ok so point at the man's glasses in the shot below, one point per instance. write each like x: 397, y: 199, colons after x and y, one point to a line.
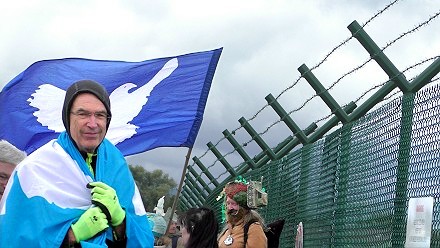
x: 82, y: 114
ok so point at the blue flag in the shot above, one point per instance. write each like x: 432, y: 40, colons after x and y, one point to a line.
x: 154, y: 103
x: 47, y: 193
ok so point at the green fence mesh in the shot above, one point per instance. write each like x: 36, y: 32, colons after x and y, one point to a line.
x: 351, y: 188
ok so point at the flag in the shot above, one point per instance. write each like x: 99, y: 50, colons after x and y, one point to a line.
x: 47, y: 193
x: 154, y: 103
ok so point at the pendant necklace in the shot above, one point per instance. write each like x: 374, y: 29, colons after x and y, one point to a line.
x: 229, y: 240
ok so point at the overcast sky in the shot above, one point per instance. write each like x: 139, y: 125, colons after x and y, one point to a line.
x: 264, y: 42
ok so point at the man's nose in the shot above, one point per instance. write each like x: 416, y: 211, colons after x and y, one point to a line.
x: 92, y: 121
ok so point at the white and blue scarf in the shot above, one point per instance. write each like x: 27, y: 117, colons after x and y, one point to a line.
x: 47, y: 193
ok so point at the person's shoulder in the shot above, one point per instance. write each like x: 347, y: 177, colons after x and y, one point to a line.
x: 256, y: 228
x: 50, y: 145
x: 110, y: 149
x: 255, y: 224
x: 50, y: 150
x: 256, y: 235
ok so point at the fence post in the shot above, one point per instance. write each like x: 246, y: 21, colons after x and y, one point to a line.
x: 199, y: 179
x: 247, y: 159
x: 377, y: 54
x: 204, y: 170
x: 342, y: 185
x: 400, y: 206
x: 255, y: 136
x: 222, y: 159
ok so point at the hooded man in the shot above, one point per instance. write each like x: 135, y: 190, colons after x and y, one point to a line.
x: 76, y: 190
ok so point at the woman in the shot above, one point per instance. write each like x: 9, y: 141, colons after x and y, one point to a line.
x: 199, y: 228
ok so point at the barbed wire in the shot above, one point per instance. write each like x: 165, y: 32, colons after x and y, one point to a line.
x: 333, y: 50
x: 371, y: 58
x: 382, y: 84
x: 279, y: 95
x: 331, y: 114
x: 359, y: 98
x: 416, y: 28
x: 353, y: 71
x: 344, y: 42
x: 390, y: 96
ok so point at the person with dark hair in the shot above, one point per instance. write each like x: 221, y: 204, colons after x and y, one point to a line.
x: 76, y: 190
x: 199, y: 228
x: 10, y: 156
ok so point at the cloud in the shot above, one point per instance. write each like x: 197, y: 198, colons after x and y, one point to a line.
x: 264, y: 44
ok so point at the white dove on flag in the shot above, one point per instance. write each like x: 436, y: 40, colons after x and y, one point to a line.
x: 125, y: 106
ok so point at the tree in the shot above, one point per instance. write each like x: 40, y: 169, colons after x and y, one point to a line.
x: 152, y: 186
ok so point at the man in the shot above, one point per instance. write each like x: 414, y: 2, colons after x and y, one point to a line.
x: 238, y: 215
x: 173, y: 232
x: 10, y: 156
x: 76, y: 190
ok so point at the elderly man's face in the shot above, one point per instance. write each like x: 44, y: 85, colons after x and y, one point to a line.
x: 231, y: 206
x: 234, y: 212
x: 173, y: 227
x: 5, y: 172
x: 88, y: 121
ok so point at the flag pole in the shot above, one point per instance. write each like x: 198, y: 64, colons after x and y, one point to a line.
x: 176, y: 198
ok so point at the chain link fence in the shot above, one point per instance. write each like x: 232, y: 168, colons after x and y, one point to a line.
x: 351, y: 188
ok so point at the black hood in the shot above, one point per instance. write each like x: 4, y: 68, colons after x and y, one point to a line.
x: 84, y: 86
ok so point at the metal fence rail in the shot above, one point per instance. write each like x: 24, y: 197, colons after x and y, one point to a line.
x: 350, y: 187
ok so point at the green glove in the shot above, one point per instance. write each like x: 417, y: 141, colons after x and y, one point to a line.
x: 105, y: 197
x: 89, y: 224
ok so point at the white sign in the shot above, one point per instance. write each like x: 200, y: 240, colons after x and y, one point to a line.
x: 418, y: 225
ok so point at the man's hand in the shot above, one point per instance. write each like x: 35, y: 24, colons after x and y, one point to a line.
x: 89, y: 224
x: 105, y: 197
